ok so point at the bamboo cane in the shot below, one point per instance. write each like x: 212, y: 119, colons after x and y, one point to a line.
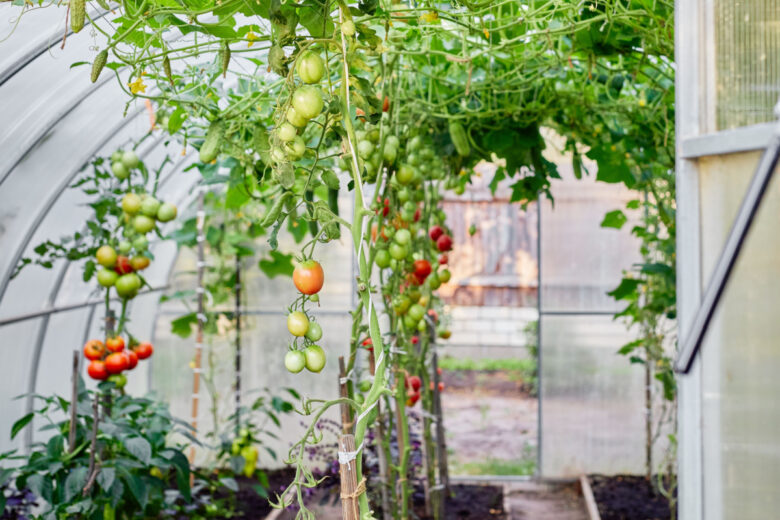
x: 350, y: 488
x: 200, y: 224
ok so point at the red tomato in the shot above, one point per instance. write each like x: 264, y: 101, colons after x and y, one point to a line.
x: 308, y: 277
x: 115, y: 344
x: 414, y: 382
x: 123, y: 265
x: 132, y: 359
x: 368, y: 344
x: 443, y: 260
x: 441, y: 386
x: 444, y: 243
x: 386, y: 104
x: 94, y: 349
x: 412, y: 398
x: 144, y: 350
x: 422, y: 268
x: 415, y: 340
x: 97, y: 370
x: 116, y: 362
x: 439, y: 370
x: 435, y: 233
x: 417, y: 215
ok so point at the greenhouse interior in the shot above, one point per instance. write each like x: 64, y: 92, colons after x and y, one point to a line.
x: 389, y: 260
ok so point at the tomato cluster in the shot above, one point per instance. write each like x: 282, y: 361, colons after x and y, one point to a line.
x: 124, y: 258
x: 308, y: 278
x: 108, y: 360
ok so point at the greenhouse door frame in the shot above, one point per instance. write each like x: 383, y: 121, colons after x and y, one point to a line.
x: 697, y: 139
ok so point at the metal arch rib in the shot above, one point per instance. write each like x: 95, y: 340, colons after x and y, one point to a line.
x: 39, y: 49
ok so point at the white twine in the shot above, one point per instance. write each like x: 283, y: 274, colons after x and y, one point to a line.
x: 201, y: 316
x: 428, y: 415
x: 396, y: 350
x: 366, y: 411
x: 195, y: 397
x: 346, y: 457
x: 196, y: 370
x: 200, y: 290
x: 201, y: 214
x: 343, y: 380
x: 201, y: 238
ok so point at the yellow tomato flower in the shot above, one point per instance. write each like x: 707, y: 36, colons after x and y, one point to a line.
x: 251, y: 38
x: 430, y: 17
x: 137, y: 85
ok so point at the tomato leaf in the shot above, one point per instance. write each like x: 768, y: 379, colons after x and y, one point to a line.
x: 182, y: 326
x: 24, y: 421
x: 278, y: 264
x: 614, y: 219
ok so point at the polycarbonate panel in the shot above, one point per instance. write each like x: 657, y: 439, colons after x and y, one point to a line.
x: 740, y: 358
x: 264, y: 343
x: 747, y: 43
x: 592, y: 399
x: 15, y: 341
x: 37, y: 30
x: 581, y: 261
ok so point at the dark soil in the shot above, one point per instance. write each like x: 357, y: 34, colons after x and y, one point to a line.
x: 467, y: 502
x: 249, y: 504
x: 625, y: 497
x: 486, y: 382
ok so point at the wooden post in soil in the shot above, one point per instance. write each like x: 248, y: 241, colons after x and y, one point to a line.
x: 74, y: 399
x: 237, y: 289
x: 350, y: 488
x: 426, y: 454
x: 201, y: 315
x: 441, y: 445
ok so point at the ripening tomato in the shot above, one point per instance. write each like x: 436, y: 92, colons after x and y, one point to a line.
x: 386, y: 104
x: 435, y: 232
x: 94, y: 349
x: 297, y: 323
x: 116, y: 362
x: 139, y: 263
x: 123, y: 265
x: 308, y: 277
x: 97, y: 370
x: 132, y: 359
x: 106, y: 256
x: 144, y: 350
x: 444, y: 243
x: 422, y: 268
x: 445, y: 334
x: 413, y: 397
x: 115, y: 344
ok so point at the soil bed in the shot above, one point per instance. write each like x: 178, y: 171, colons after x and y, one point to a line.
x: 249, y: 504
x: 467, y: 502
x: 626, y: 497
x: 486, y: 382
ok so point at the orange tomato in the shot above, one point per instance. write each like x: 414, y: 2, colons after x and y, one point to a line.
x: 308, y: 277
x: 94, y: 349
x: 115, y: 344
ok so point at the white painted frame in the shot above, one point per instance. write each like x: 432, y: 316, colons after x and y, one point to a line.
x: 695, y: 121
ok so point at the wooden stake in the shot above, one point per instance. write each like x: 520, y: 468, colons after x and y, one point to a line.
x: 74, y: 398
x: 350, y: 489
x: 200, y: 223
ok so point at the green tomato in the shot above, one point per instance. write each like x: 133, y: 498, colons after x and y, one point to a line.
x: 365, y: 386
x: 286, y: 132
x: 460, y: 189
x: 143, y: 224
x: 295, y: 119
x: 382, y: 258
x: 315, y: 358
x: 125, y: 247
x: 433, y: 281
x: 307, y: 101
x: 130, y: 160
x: 365, y: 149
x: 417, y: 312
x: 397, y: 251
x: 149, y: 207
x: 415, y: 143
x: 315, y: 331
x: 120, y: 380
x: 116, y: 156
x: 127, y: 285
x: 389, y: 154
x: 119, y: 170
x: 410, y: 322
x: 348, y: 28
x: 310, y: 67
x: 140, y: 244
x: 403, y: 195
x: 422, y: 326
x: 392, y: 141
x: 373, y: 135
x: 401, y: 304
x: 414, y: 293
x: 295, y: 148
x: 167, y: 212
x: 294, y: 361
x: 297, y: 323
x: 402, y: 236
x: 445, y: 275
x: 413, y: 159
x: 359, y: 399
x: 107, y: 277
x: 405, y: 174
x: 131, y: 203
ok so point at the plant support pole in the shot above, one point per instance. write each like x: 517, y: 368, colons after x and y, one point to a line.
x: 200, y: 224
x: 237, y: 288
